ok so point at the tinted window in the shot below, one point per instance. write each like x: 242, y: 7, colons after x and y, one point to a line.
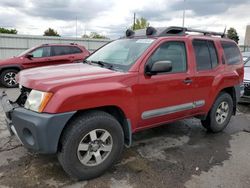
x: 231, y: 52
x: 205, y: 54
x: 61, y: 50
x: 202, y: 55
x: 75, y: 50
x: 213, y: 54
x: 174, y: 52
x: 41, y: 52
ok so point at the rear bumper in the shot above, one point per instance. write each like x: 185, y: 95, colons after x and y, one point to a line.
x: 39, y: 132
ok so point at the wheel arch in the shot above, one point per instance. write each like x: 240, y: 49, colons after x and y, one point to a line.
x: 116, y: 112
x: 17, y: 67
x: 232, y: 92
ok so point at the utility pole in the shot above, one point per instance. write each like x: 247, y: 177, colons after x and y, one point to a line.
x: 76, y: 27
x: 134, y: 22
x: 184, y: 12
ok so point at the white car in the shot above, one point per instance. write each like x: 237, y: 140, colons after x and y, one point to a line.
x: 246, y: 95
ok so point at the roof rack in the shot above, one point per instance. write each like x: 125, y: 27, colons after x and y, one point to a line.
x: 168, y: 31
x: 205, y: 32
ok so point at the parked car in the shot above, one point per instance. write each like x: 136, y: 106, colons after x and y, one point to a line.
x: 42, y: 55
x: 246, y: 57
x: 87, y: 112
x: 246, y: 95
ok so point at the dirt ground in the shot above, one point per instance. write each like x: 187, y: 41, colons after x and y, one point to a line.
x: 180, y: 154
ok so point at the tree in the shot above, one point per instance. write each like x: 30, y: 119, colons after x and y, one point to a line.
x: 85, y: 36
x: 232, y: 34
x: 95, y: 35
x: 140, y: 23
x: 51, y: 32
x: 8, y: 31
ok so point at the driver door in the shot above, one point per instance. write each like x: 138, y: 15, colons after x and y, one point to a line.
x: 166, y: 96
x: 40, y: 57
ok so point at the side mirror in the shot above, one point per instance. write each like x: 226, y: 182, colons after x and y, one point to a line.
x: 159, y: 67
x: 29, y: 56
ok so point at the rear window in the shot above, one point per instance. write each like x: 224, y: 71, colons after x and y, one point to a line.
x: 75, y: 50
x: 232, y: 53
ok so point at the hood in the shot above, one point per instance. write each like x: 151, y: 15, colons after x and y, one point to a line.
x: 246, y: 73
x: 53, y: 77
x: 12, y: 60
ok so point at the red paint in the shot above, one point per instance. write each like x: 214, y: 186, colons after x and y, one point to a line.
x: 83, y: 86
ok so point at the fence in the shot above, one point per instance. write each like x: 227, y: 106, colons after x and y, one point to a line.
x: 11, y: 45
x: 244, y: 48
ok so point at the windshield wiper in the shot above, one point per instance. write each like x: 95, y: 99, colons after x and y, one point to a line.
x: 103, y: 64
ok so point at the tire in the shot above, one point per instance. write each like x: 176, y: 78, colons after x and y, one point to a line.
x: 7, y: 78
x: 79, y: 131
x: 218, y: 117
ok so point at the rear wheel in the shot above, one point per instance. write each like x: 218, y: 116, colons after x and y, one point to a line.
x: 220, y: 114
x: 8, y: 78
x: 90, y: 145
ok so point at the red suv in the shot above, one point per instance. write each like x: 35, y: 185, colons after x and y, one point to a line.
x: 87, y: 112
x: 43, y: 55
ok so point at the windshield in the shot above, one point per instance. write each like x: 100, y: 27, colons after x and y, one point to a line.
x: 121, y: 54
x: 247, y: 63
x: 25, y: 52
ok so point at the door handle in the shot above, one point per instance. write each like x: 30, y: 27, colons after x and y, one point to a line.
x: 188, y: 81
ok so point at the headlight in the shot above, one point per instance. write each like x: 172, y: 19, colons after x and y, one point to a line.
x: 37, y: 100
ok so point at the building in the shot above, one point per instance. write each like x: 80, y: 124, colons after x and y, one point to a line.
x: 247, y: 36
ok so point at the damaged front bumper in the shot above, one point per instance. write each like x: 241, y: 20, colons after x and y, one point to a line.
x: 39, y: 132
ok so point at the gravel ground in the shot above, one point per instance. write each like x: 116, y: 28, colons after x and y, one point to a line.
x: 180, y: 154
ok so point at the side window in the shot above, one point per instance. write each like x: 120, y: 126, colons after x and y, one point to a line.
x: 205, y: 54
x: 41, y: 52
x: 213, y: 53
x: 61, y: 50
x: 75, y: 50
x: 174, y: 52
x: 232, y: 52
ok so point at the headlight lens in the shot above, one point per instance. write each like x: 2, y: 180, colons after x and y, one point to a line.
x: 37, y: 100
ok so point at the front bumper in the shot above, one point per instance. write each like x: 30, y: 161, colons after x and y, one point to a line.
x: 39, y: 132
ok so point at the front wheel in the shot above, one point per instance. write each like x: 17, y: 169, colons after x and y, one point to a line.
x: 90, y: 145
x: 8, y: 78
x: 220, y: 114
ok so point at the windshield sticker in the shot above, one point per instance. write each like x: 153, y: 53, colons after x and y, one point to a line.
x: 145, y: 41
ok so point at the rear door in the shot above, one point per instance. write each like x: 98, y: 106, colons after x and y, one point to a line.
x: 41, y: 57
x: 207, y: 68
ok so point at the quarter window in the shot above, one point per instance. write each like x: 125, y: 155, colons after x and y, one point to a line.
x: 174, y: 52
x: 231, y: 52
x: 205, y: 54
x: 75, y: 50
